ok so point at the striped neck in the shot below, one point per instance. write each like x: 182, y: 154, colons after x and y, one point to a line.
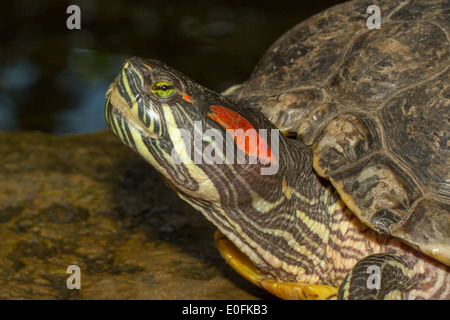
x: 281, y: 222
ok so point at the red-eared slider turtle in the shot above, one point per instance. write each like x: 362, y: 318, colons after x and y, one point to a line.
x: 374, y: 106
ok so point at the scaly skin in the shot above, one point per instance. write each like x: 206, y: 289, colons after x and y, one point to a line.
x: 291, y: 224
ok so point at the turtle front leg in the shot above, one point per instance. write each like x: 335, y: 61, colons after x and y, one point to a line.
x: 392, y: 276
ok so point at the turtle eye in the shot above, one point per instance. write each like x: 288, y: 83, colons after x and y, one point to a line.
x: 162, y: 89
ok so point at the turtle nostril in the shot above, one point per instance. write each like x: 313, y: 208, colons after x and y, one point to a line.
x: 126, y: 65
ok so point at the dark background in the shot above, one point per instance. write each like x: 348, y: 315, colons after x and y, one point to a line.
x: 54, y: 79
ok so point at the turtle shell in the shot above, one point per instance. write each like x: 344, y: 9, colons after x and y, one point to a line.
x: 374, y: 105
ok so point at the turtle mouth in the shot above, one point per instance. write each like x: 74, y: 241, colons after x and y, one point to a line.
x: 120, y: 116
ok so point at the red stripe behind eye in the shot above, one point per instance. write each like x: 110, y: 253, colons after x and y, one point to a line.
x: 231, y: 120
x: 187, y: 98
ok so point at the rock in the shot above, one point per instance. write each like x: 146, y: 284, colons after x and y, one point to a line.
x: 87, y: 200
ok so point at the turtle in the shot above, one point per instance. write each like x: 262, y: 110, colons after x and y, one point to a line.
x: 326, y: 173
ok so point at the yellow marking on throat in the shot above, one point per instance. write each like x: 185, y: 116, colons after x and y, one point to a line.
x: 206, y: 187
x: 287, y: 191
x: 261, y: 205
x: 177, y: 138
x: 135, y: 106
x: 119, y: 102
x: 116, y: 126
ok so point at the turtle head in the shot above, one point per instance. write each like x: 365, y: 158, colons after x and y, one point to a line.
x: 196, y: 138
x: 226, y: 160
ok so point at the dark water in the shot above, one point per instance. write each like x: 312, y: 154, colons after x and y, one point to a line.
x: 54, y: 79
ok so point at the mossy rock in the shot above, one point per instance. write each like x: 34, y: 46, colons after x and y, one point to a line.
x: 86, y: 200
